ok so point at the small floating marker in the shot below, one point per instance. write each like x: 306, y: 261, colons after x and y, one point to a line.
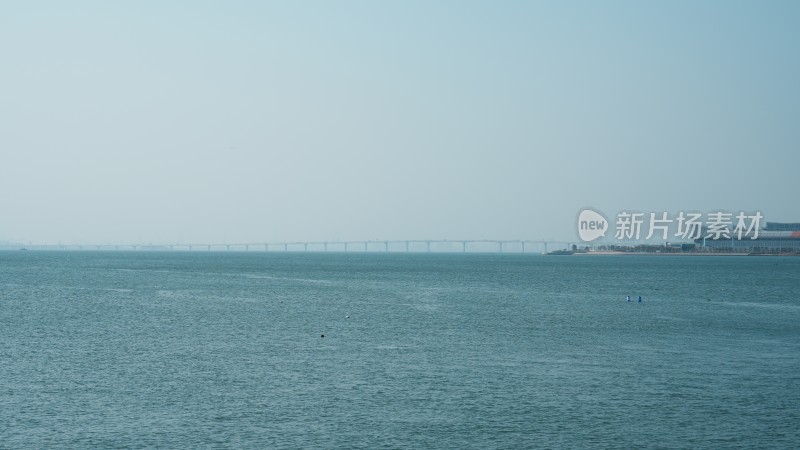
x: 640, y: 299
x: 322, y: 335
x: 629, y: 298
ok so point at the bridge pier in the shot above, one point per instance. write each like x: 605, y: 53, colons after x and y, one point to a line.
x: 521, y: 246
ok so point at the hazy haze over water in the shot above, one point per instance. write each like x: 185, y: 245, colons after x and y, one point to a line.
x: 253, y: 121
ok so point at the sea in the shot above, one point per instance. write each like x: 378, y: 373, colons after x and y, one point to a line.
x: 143, y: 349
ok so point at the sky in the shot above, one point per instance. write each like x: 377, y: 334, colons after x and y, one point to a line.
x: 253, y: 121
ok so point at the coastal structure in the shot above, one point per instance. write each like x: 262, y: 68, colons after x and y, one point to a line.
x: 775, y: 237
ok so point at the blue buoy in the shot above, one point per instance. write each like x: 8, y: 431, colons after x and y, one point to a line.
x: 640, y: 299
x: 629, y: 298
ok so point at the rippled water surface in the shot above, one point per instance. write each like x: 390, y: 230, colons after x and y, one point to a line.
x: 172, y: 349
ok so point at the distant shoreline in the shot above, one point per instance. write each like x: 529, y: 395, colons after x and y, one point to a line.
x: 684, y: 253
x: 416, y: 252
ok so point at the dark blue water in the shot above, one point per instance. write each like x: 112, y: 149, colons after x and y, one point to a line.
x: 137, y: 349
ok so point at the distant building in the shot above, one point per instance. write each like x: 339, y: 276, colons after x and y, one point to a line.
x: 775, y: 226
x: 773, y: 238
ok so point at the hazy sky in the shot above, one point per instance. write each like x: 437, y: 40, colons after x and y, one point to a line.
x: 168, y: 121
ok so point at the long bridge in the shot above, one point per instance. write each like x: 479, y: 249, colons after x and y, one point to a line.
x: 397, y: 246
